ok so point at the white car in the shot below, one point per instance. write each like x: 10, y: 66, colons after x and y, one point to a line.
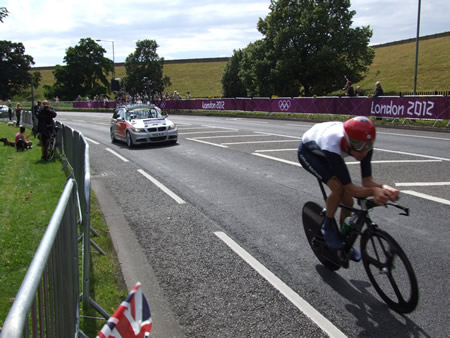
x: 4, y: 111
x: 139, y: 124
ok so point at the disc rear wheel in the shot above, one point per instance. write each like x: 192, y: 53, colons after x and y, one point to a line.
x: 312, y: 221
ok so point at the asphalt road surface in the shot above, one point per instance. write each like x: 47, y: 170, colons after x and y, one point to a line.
x: 218, y: 219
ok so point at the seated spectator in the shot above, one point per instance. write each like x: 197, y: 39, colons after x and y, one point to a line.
x: 21, y: 142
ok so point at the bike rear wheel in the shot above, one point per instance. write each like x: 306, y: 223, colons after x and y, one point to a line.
x: 389, y: 270
x: 51, y: 148
x: 312, y: 220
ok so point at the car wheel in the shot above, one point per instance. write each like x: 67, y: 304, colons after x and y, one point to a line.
x: 129, y: 140
x: 113, y: 137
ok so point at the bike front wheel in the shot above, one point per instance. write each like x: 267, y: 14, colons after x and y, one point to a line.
x: 389, y: 270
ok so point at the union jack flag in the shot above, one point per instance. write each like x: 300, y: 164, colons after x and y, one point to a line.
x: 131, y: 319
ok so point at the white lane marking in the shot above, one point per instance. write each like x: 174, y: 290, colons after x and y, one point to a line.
x: 260, y: 142
x: 274, y: 150
x: 229, y: 136
x: 91, y: 140
x: 209, y: 143
x: 425, y: 196
x: 412, y: 154
x: 281, y: 135
x: 285, y: 290
x: 299, y: 125
x: 215, y: 127
x: 116, y: 154
x: 278, y: 159
x: 417, y: 136
x: 208, y: 132
x: 162, y: 187
x: 397, y: 161
x: 421, y: 184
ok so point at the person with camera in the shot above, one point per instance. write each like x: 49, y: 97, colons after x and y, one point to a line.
x: 45, y: 126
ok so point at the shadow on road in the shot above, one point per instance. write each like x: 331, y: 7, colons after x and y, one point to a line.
x: 372, y: 315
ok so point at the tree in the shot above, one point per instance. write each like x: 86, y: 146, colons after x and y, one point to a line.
x: 3, y: 13
x: 144, y: 69
x: 232, y: 85
x: 14, y: 69
x: 84, y: 73
x: 308, y: 47
x: 257, y: 71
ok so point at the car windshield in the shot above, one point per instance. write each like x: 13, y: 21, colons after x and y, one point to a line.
x: 143, y: 113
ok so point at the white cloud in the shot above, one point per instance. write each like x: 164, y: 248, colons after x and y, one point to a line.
x: 185, y: 29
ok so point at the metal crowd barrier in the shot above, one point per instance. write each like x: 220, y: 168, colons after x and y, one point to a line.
x: 49, y: 297
x: 47, y: 303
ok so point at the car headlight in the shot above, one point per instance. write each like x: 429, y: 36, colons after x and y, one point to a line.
x: 172, y: 126
x: 138, y: 130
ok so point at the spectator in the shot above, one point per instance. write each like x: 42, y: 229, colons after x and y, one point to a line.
x: 348, y: 88
x: 18, y: 114
x: 378, y: 90
x: 79, y: 99
x: 350, y: 91
x: 22, y: 142
x: 35, y: 113
x: 10, y: 113
x: 188, y: 96
x: 45, y: 127
x: 358, y: 91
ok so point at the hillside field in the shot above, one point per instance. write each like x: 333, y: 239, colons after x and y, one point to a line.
x: 393, y: 66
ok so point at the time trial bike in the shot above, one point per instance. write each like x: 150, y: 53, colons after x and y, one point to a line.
x: 385, y: 262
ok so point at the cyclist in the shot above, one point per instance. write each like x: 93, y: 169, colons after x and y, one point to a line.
x: 322, y: 152
x: 45, y: 127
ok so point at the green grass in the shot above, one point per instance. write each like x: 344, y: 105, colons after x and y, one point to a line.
x: 31, y: 189
x: 392, y: 65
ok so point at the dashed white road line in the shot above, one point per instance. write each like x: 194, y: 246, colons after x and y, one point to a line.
x: 117, y: 155
x: 425, y: 196
x: 416, y: 136
x: 396, y: 161
x: 206, y: 132
x: 285, y: 290
x: 91, y: 140
x: 161, y: 186
x: 421, y: 184
x: 277, y: 159
x: 260, y: 142
x: 209, y: 143
x: 413, y: 154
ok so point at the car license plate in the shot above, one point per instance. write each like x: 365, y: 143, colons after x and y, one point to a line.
x: 158, y: 134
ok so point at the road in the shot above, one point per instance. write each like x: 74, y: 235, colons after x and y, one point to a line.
x: 218, y: 218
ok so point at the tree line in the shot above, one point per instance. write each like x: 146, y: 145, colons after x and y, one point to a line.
x: 308, y: 47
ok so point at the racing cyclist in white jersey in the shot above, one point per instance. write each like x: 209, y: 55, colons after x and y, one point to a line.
x: 322, y: 152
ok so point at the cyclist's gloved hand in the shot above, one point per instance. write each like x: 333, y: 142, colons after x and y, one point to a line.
x: 380, y: 196
x: 330, y: 235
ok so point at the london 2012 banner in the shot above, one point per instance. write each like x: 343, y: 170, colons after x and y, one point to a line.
x: 417, y: 107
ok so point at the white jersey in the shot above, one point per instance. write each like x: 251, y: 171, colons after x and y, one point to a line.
x: 328, y: 136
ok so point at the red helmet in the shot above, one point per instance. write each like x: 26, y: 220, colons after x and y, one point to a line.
x: 360, y: 133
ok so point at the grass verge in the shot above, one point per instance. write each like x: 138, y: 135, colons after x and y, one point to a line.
x: 31, y: 189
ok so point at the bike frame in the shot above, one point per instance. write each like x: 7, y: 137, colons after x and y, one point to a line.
x: 363, y: 215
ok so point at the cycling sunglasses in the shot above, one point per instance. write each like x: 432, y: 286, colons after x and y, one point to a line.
x: 361, y: 146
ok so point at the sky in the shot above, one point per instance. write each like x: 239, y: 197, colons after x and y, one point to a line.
x: 186, y: 29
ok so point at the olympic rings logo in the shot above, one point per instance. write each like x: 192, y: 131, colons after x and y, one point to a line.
x: 284, y: 105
